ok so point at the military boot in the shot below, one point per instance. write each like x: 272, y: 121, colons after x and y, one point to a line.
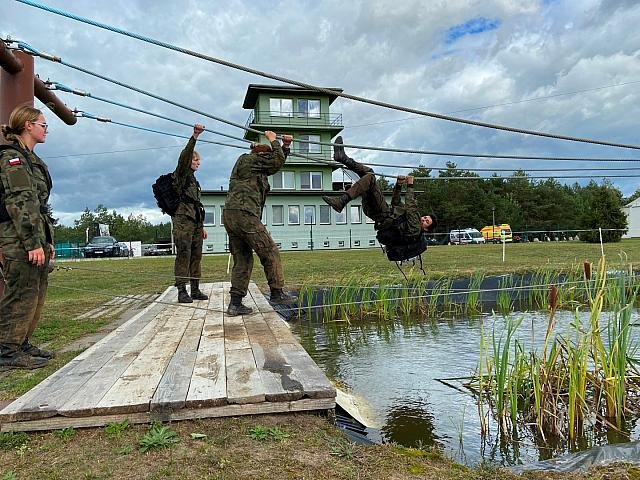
x: 337, y: 203
x: 236, y: 307
x: 183, y: 296
x: 340, y: 156
x: 196, y: 293
x: 278, y: 297
x: 30, y: 349
x: 21, y: 359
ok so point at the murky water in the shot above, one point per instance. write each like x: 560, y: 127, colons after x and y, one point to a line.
x: 393, y: 367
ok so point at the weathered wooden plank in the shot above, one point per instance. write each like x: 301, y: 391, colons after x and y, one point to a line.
x: 208, y: 385
x: 133, y: 391
x: 52, y: 393
x: 91, y: 393
x: 314, y: 382
x: 56, y: 423
x: 277, y: 324
x: 244, y: 384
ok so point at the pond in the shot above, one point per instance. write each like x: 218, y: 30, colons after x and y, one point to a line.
x: 394, y: 367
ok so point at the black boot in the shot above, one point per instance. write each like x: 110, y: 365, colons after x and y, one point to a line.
x: 278, y: 297
x: 337, y: 203
x: 34, y: 351
x: 21, y: 359
x: 196, y: 293
x: 183, y: 296
x: 237, y: 308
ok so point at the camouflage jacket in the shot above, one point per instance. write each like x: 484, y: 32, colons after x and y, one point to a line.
x: 404, y: 217
x: 186, y: 183
x: 248, y: 184
x: 25, y: 195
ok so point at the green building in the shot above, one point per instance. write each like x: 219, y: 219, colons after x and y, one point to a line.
x: 295, y: 214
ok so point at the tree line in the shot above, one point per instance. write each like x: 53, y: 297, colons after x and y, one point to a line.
x: 134, y: 227
x: 525, y: 204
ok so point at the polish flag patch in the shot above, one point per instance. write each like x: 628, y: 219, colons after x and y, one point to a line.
x: 14, y: 161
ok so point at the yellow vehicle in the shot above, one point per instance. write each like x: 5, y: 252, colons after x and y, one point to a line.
x: 496, y: 232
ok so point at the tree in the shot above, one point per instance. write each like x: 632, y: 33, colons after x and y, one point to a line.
x: 602, y: 209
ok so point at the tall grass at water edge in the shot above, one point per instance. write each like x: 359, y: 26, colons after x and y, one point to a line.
x: 582, y: 375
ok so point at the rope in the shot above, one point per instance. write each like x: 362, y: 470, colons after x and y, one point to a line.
x: 61, y: 87
x: 53, y: 58
x: 320, y: 89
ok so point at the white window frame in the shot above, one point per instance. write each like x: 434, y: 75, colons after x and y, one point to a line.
x: 311, y: 148
x: 355, y: 214
x: 308, y: 113
x: 286, y: 178
x: 273, y: 213
x: 312, y: 175
x: 209, y: 211
x: 278, y: 107
x: 326, y: 209
x: 312, y: 209
x: 293, y: 209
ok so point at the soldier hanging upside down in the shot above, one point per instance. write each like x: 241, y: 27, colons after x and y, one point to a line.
x: 397, y: 224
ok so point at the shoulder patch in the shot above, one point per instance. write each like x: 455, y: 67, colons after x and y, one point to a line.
x: 14, y: 161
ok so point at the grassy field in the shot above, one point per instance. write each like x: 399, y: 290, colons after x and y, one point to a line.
x: 309, y: 447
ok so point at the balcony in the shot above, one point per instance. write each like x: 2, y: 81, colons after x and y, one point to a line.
x: 296, y: 119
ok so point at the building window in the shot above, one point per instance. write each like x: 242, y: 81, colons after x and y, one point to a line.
x: 310, y: 214
x: 210, y: 216
x: 278, y: 214
x: 279, y: 245
x: 294, y: 215
x: 221, y: 216
x: 281, y: 107
x: 341, y: 218
x: 263, y: 217
x: 372, y: 243
x: 311, y: 180
x: 356, y: 216
x: 282, y: 180
x: 308, y: 108
x: 304, y: 147
x: 340, y: 243
x: 294, y: 244
x: 325, y: 215
x: 356, y: 243
x: 368, y: 220
x: 325, y: 243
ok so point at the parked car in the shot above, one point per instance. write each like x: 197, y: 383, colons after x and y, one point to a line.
x: 124, y: 250
x: 103, y: 246
x: 154, y: 250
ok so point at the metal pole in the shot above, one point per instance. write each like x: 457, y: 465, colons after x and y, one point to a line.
x: 15, y: 88
x: 493, y: 224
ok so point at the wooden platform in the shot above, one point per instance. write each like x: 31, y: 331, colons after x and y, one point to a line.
x: 177, y: 362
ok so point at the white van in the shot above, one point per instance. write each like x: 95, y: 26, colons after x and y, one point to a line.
x: 464, y: 236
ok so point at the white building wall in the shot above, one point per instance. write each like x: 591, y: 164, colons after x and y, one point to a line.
x: 632, y: 211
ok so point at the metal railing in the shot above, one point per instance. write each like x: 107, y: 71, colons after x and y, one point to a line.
x: 267, y: 117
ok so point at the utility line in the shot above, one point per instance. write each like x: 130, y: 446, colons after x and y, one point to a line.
x: 505, y: 104
x: 53, y: 58
x: 64, y: 88
x: 503, y: 169
x: 112, y: 151
x: 320, y: 89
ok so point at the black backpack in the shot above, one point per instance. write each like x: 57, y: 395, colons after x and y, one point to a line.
x: 400, y: 249
x: 167, y: 197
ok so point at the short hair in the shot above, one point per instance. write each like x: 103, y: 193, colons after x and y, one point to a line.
x: 260, y: 148
x: 434, y: 221
x: 197, y: 155
x: 19, y: 116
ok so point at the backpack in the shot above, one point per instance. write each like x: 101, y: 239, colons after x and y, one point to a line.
x: 167, y: 197
x: 401, y: 249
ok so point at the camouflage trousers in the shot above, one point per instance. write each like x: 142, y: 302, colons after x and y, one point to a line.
x: 22, y: 302
x: 246, y: 235
x: 187, y: 236
x: 374, y: 204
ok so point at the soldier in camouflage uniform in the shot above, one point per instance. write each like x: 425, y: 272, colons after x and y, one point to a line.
x: 188, y: 222
x: 402, y: 219
x: 26, y: 238
x: 248, y: 188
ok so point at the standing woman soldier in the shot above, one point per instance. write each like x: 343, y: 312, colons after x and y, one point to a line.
x: 188, y: 222
x: 26, y: 237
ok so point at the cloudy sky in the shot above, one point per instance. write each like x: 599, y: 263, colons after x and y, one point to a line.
x: 569, y: 67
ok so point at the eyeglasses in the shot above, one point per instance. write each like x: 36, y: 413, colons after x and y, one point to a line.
x: 43, y: 125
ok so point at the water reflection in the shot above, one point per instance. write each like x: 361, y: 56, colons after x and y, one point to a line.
x: 395, y: 364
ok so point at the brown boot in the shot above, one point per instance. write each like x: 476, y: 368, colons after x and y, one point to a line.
x: 278, y: 297
x: 340, y: 156
x: 30, y: 349
x: 337, y: 203
x: 20, y: 359
x: 196, y: 293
